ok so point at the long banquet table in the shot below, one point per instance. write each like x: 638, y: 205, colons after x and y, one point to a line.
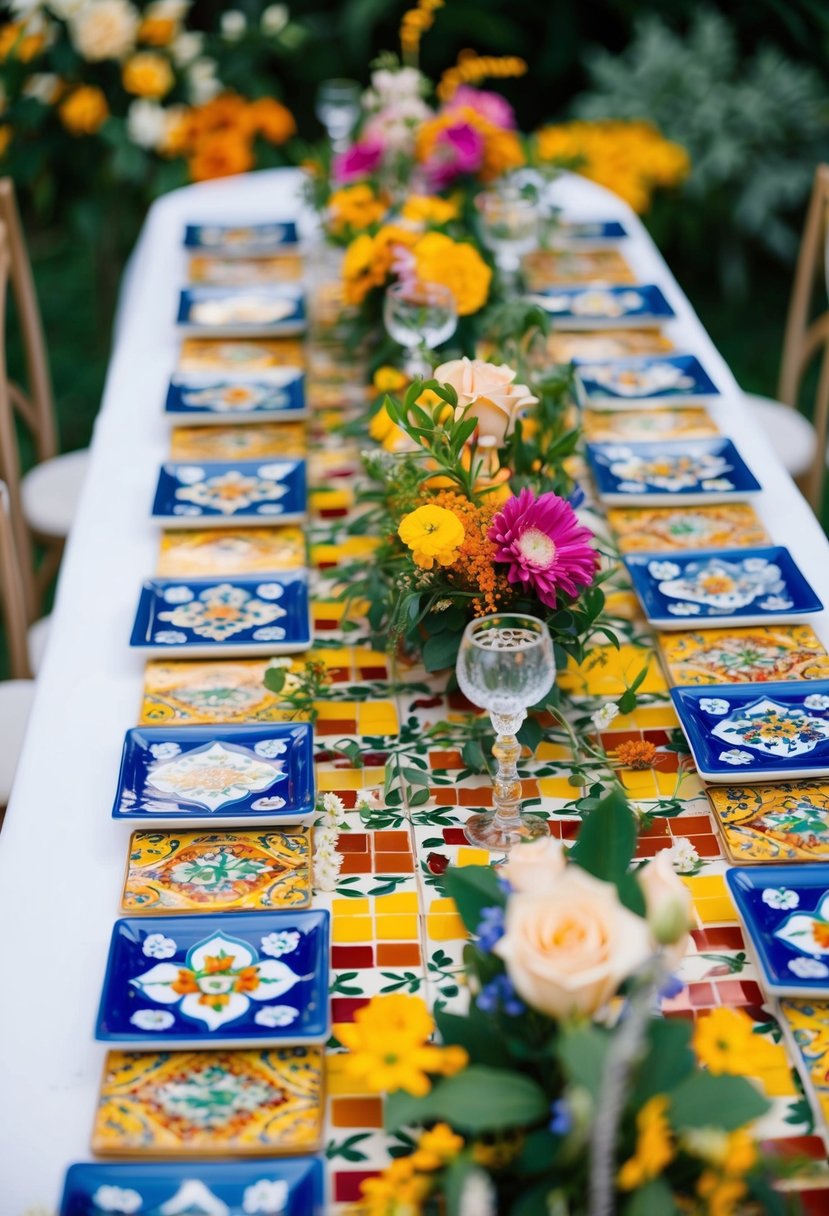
x: 61, y: 855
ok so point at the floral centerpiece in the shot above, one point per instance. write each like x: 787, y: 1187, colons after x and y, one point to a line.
x: 559, y: 1089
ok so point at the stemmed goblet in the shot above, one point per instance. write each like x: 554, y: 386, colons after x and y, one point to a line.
x: 505, y: 665
x: 338, y: 108
x: 509, y: 222
x: 419, y: 316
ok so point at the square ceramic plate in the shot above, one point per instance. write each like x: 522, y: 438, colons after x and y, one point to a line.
x: 733, y: 525
x: 592, y: 234
x: 597, y: 307
x: 692, y: 472
x: 224, y: 492
x: 204, y: 399
x: 646, y: 382
x: 757, y: 732
x: 244, y: 271
x: 247, y: 240
x: 241, y: 312
x: 647, y: 426
x: 208, y: 776
x: 216, y: 981
x: 292, y: 1186
x: 247, y: 870
x: 756, y: 655
x: 195, y: 1104
x: 203, y: 617
x: 785, y: 912
x: 785, y: 823
x: 724, y: 587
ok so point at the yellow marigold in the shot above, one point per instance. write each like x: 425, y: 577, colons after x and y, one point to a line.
x: 433, y: 534
x: 721, y: 1195
x: 156, y: 30
x: 430, y: 209
x: 270, y: 119
x: 355, y: 207
x: 5, y: 138
x: 389, y: 1049
x: 221, y: 156
x: 15, y: 41
x: 84, y: 111
x: 435, y: 1147
x: 456, y: 264
x: 148, y: 74
x: 383, y: 431
x: 389, y: 379
x: 654, y: 1145
x: 387, y: 241
x: 358, y: 269
x: 725, y: 1042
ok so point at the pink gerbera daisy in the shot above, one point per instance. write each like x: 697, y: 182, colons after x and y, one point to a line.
x: 544, y: 545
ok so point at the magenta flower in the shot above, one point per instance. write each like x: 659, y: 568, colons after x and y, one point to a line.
x: 491, y: 106
x: 360, y: 160
x: 544, y: 545
x: 459, y: 149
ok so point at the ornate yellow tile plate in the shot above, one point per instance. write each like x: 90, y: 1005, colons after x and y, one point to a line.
x: 241, y: 442
x: 244, y: 272
x: 231, y: 551
x: 239, y: 354
x: 785, y: 822
x: 544, y: 267
x: 660, y: 529
x: 220, y: 691
x: 562, y: 347
x: 744, y: 656
x: 806, y: 1026
x: 632, y: 426
x: 220, y: 871
x: 209, y: 1103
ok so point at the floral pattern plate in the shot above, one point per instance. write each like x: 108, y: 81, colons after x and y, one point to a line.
x: 744, y: 656
x: 693, y: 472
x: 240, y: 354
x: 291, y: 1186
x: 224, y: 551
x: 209, y: 399
x: 202, y: 617
x: 245, y: 269
x: 648, y: 381
x: 785, y: 912
x: 748, y: 733
x: 224, y: 492
x: 647, y: 426
x: 237, y: 312
x: 787, y: 822
x: 240, y: 871
x: 242, y: 239
x: 208, y: 776
x: 596, y: 307
x: 191, y: 693
x: 659, y: 529
x: 216, y: 981
x: 193, y: 1104
x: 743, y: 587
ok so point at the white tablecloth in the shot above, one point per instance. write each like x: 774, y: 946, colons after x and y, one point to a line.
x: 62, y: 857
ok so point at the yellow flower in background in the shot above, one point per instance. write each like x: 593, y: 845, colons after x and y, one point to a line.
x: 389, y: 379
x: 430, y: 209
x: 721, y: 1195
x: 355, y: 207
x: 472, y: 68
x: 383, y: 431
x: 436, y: 1147
x: 458, y: 266
x: 15, y: 41
x: 270, y: 119
x: 433, y: 534
x: 389, y: 1049
x: 157, y: 31
x: 148, y: 74
x: 654, y: 1145
x: 84, y: 111
x: 5, y: 138
x: 358, y: 269
x: 725, y: 1042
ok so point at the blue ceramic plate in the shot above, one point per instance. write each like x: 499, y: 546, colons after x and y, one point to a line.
x: 209, y: 617
x: 205, y: 398
x: 242, y: 312
x: 241, y: 239
x: 645, y: 381
x: 691, y: 472
x: 723, y: 587
x: 742, y: 733
x: 216, y: 980
x: 597, y: 307
x: 590, y: 235
x: 785, y: 912
x: 289, y: 1186
x: 213, y: 776
x: 222, y: 492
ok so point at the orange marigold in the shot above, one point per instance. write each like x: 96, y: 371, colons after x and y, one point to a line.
x: 220, y: 156
x: 637, y: 754
x: 474, y: 567
x: 272, y: 120
x: 157, y: 31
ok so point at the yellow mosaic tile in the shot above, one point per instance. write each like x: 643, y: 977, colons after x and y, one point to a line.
x: 445, y: 927
x: 397, y: 927
x: 712, y: 903
x: 323, y: 501
x: 349, y: 930
x: 338, y: 1082
x: 608, y: 672
x: 556, y: 787
x: 350, y: 907
x: 473, y: 857
x: 348, y: 550
x: 377, y: 718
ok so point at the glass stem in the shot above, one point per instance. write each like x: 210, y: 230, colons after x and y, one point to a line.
x: 507, y: 783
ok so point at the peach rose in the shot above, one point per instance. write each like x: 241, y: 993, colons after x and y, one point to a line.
x: 535, y: 865
x: 489, y: 391
x: 668, y: 902
x: 104, y: 29
x: 567, y: 950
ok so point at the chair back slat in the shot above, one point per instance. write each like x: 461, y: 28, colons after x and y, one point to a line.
x: 12, y: 593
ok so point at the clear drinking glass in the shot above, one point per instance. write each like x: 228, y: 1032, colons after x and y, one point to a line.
x: 338, y: 108
x: 419, y: 316
x: 509, y: 221
x: 505, y: 665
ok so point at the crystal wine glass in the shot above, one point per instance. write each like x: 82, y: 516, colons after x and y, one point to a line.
x: 420, y: 316
x: 338, y: 108
x: 509, y: 221
x: 505, y: 664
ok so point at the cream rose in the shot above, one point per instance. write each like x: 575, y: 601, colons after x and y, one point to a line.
x: 489, y: 391
x: 567, y: 950
x: 668, y: 902
x: 536, y: 865
x: 104, y: 29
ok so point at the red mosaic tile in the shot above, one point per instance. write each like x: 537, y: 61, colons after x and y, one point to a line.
x: 393, y: 863
x: 707, y: 846
x: 649, y: 848
x: 356, y: 863
x: 658, y: 829
x: 373, y: 673
x: 352, y: 842
x: 454, y: 836
x: 356, y: 957
x: 392, y: 841
x: 691, y: 825
x: 719, y: 937
x: 398, y: 954
x: 739, y: 992
x: 480, y: 796
x: 701, y: 996
x: 445, y: 760
x: 444, y: 796
x: 613, y: 738
x: 347, y: 1185
x: 797, y: 1146
x: 336, y: 726
x: 343, y: 1008
x: 657, y: 737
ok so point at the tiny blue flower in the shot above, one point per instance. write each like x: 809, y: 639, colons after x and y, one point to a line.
x: 499, y: 994
x: 505, y: 885
x: 490, y: 927
x: 671, y: 988
x: 561, y: 1121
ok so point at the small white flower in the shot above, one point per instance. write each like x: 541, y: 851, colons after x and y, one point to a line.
x: 43, y: 86
x: 234, y: 24
x: 367, y: 800
x: 735, y: 756
x: 717, y: 483
x: 663, y: 570
x: 274, y: 803
x: 277, y: 470
x: 683, y: 609
x: 170, y: 637
x: 164, y: 751
x: 274, y: 19
x: 189, y: 474
x: 333, y: 810
x: 146, y: 123
x: 808, y: 968
x: 281, y: 663
x: 186, y: 47
x: 477, y: 1196
x: 152, y: 1019
x: 156, y: 945
x: 117, y: 1199
x: 202, y: 81
x: 816, y: 700
x: 276, y: 1015
x: 268, y: 1197
x: 177, y: 595
x: 181, y: 508
x: 603, y: 716
x: 629, y: 487
x: 270, y: 748
x: 270, y: 591
x: 684, y: 857
x: 780, y: 897
x: 270, y: 633
x: 277, y: 944
x: 714, y: 705
x: 327, y: 871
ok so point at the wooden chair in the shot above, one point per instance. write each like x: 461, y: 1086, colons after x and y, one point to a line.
x: 800, y: 444
x: 49, y: 492
x: 17, y: 693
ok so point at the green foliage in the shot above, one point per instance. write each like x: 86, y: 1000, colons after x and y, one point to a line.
x: 466, y: 1101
